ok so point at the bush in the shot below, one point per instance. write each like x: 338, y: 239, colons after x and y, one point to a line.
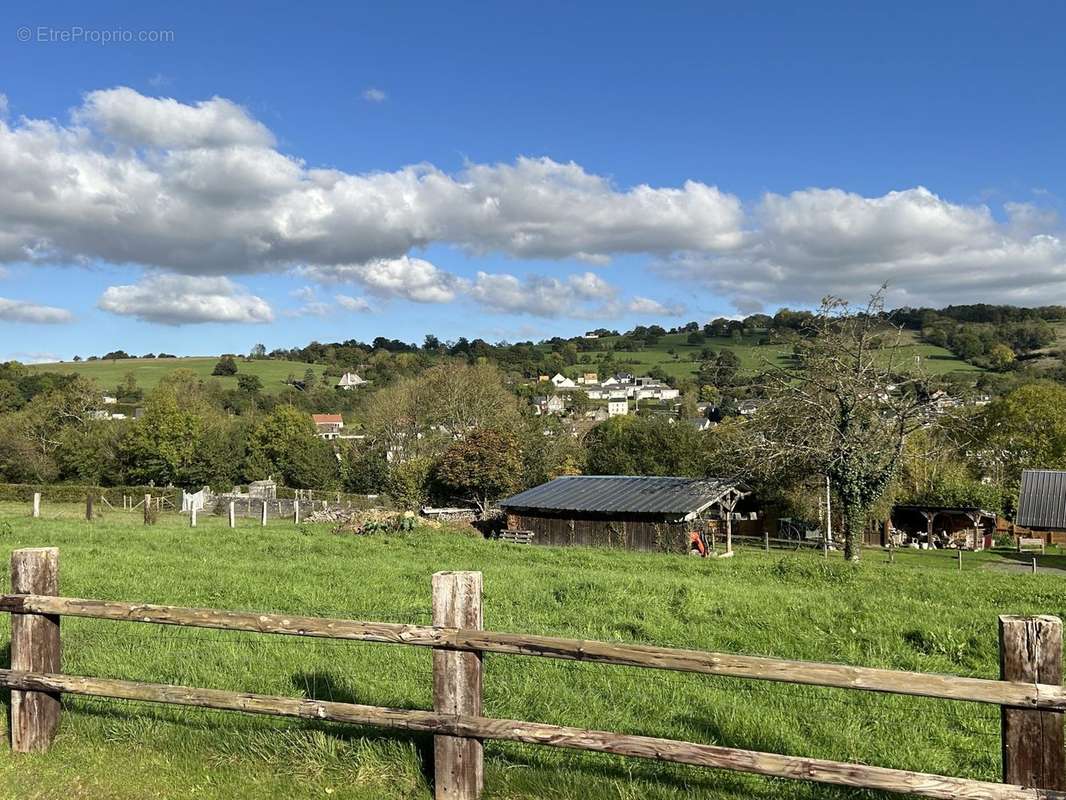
x: 225, y: 366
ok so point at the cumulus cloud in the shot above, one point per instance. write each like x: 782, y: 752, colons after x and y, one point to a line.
x: 581, y: 296
x: 928, y: 250
x: 3, y: 104
x: 129, y: 117
x: 646, y: 305
x: 200, y: 188
x: 356, y: 304
x: 373, y: 95
x: 184, y: 300
x: 407, y: 278
x: 21, y: 311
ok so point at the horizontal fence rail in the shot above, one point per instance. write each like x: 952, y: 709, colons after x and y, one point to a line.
x: 811, y: 673
x: 649, y: 747
x: 1030, y: 691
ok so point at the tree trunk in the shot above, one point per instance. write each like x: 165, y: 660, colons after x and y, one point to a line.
x: 854, y: 519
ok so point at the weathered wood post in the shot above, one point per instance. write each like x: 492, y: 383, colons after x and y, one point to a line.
x: 766, y: 540
x: 192, y: 516
x: 1034, y: 565
x: 36, y: 505
x: 89, y: 507
x: 960, y: 559
x: 263, y: 514
x: 35, y: 647
x: 729, y: 533
x: 1030, y: 650
x: 232, y: 514
x: 296, y: 511
x: 148, y: 509
x: 457, y: 761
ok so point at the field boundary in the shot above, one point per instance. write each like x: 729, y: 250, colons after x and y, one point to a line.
x: 1030, y: 690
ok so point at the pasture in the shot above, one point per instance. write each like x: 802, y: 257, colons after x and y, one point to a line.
x: 755, y: 356
x: 149, y: 371
x: 918, y: 613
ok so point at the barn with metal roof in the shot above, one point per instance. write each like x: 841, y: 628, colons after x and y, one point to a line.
x: 1042, y: 503
x: 635, y: 512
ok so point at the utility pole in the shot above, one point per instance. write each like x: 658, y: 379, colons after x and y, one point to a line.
x: 828, y: 514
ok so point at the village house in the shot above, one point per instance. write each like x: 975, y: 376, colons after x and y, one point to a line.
x: 328, y: 426
x: 548, y: 404
x: 349, y: 381
x: 617, y: 405
x: 560, y: 381
x: 588, y: 378
x: 747, y: 408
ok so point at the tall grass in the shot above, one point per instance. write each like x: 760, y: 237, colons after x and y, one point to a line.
x: 914, y: 614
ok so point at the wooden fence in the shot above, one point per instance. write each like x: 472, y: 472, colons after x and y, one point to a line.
x: 1029, y: 692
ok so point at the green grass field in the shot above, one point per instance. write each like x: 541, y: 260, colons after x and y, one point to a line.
x: 149, y: 371
x: 755, y: 357
x: 918, y: 613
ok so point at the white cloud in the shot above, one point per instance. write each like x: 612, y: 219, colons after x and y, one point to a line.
x: 357, y: 304
x: 645, y: 305
x: 3, y: 104
x: 128, y: 116
x: 21, y: 311
x: 372, y: 95
x: 407, y: 278
x: 184, y: 299
x: 579, y: 296
x: 34, y: 357
x: 929, y: 251
x: 201, y: 189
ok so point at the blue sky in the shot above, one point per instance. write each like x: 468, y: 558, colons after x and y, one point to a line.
x: 581, y: 165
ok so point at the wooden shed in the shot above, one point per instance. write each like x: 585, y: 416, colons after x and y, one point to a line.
x: 1042, y: 505
x: 637, y: 513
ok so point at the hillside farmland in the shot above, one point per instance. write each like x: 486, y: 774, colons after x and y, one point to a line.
x: 149, y: 371
x: 683, y: 363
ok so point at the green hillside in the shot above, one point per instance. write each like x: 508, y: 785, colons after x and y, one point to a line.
x: 149, y: 371
x: 683, y: 361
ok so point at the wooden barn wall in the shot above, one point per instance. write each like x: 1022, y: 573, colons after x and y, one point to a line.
x: 630, y: 534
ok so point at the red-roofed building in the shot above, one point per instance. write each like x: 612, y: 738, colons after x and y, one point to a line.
x: 329, y: 425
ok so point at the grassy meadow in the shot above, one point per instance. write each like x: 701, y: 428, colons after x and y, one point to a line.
x: 149, y: 371
x: 919, y: 613
x: 754, y: 356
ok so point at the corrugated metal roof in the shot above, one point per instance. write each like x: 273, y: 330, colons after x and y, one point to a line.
x: 622, y: 494
x: 1042, y: 499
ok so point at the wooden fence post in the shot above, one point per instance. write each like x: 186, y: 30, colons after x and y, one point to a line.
x: 1030, y: 651
x: 35, y: 647
x: 766, y: 540
x: 296, y: 511
x: 192, y: 516
x: 457, y: 761
x: 232, y: 515
x: 89, y: 507
x: 263, y: 514
x: 148, y: 509
x: 36, y: 505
